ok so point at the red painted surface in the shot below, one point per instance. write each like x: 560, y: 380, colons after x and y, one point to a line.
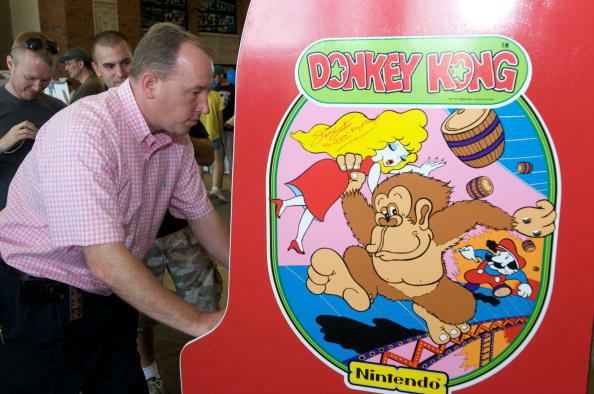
x: 254, y: 350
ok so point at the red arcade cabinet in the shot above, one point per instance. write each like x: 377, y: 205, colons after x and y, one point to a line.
x: 406, y: 192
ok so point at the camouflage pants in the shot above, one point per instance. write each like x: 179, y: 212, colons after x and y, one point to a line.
x: 194, y: 274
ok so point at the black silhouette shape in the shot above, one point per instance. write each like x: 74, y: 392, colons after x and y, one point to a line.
x: 352, y: 334
x: 485, y: 298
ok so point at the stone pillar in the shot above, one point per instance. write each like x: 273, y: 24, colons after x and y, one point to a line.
x: 6, y: 36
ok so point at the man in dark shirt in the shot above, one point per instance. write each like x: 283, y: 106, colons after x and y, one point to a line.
x: 23, y: 106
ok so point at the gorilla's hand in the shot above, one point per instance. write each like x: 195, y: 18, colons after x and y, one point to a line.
x: 536, y: 221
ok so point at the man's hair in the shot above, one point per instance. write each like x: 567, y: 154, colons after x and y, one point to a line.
x: 108, y: 38
x: 88, y: 65
x: 157, y: 50
x: 18, y: 48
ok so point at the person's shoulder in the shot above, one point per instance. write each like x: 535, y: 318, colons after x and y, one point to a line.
x: 92, y: 85
x: 96, y: 111
x: 52, y: 101
x: 6, y: 96
x: 214, y: 96
x: 97, y: 83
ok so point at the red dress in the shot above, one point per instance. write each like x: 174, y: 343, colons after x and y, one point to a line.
x: 323, y: 183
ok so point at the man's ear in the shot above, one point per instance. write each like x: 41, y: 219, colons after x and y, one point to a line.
x: 423, y: 209
x: 148, y: 84
x: 10, y: 63
x: 96, y: 68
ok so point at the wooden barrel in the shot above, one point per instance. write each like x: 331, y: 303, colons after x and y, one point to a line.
x: 479, y: 187
x: 528, y: 246
x: 475, y: 135
x: 525, y: 167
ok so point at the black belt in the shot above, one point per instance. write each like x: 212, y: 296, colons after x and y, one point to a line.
x: 35, y: 290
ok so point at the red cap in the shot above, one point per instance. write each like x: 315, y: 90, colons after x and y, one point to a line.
x: 507, y: 245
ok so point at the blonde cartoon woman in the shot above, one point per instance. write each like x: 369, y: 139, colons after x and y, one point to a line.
x: 387, y: 144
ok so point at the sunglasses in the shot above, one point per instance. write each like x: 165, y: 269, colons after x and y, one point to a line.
x: 36, y: 44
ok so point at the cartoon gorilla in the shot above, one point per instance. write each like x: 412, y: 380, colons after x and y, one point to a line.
x: 404, y: 233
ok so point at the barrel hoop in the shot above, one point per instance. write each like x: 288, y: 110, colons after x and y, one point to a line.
x: 488, y: 130
x: 484, y: 152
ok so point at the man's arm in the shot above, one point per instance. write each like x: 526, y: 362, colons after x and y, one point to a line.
x: 230, y: 123
x: 130, y: 280
x: 213, y: 233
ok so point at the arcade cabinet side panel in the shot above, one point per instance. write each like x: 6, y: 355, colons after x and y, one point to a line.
x: 306, y: 75
x: 254, y: 350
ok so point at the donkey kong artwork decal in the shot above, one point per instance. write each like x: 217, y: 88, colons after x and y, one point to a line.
x: 421, y: 256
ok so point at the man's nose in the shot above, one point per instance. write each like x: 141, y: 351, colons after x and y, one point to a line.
x: 37, y: 87
x: 202, y: 105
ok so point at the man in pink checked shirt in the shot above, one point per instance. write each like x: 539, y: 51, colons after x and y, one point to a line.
x: 83, y: 209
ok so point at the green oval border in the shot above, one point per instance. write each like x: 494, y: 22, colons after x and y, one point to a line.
x: 548, y: 246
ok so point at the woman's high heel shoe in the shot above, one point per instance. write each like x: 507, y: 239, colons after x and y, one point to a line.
x: 278, y: 205
x: 295, y: 246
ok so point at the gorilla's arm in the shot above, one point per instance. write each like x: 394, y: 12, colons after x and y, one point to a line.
x: 451, y: 223
x: 359, y: 215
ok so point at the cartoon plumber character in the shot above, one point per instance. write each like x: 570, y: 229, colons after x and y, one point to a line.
x: 496, y: 266
x: 387, y: 144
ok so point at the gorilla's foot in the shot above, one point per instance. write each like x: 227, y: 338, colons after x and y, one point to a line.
x: 439, y: 331
x: 329, y: 274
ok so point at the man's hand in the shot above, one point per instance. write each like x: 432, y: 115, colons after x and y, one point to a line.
x: 22, y: 131
x: 467, y: 252
x: 524, y: 290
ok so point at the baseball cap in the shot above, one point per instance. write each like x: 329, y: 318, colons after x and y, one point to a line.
x: 218, y: 69
x: 77, y: 54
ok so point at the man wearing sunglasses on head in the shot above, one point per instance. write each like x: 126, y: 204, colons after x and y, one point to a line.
x: 23, y: 106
